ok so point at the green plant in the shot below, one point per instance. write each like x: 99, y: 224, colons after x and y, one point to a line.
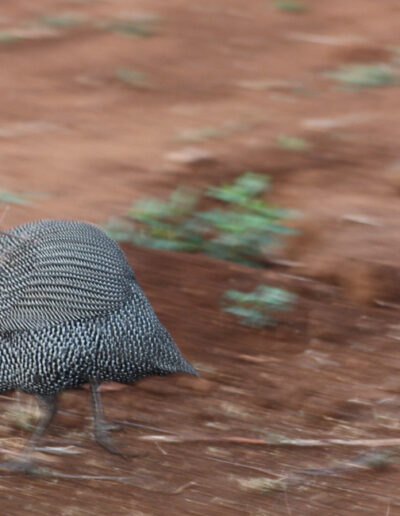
x: 133, y: 78
x: 140, y: 26
x: 243, y: 190
x: 240, y: 230
x: 120, y: 230
x: 13, y: 198
x: 8, y: 36
x: 292, y: 143
x: 290, y: 6
x: 365, y: 76
x: 62, y: 20
x: 254, y: 308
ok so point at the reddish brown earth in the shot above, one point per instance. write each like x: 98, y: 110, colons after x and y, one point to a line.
x: 89, y: 145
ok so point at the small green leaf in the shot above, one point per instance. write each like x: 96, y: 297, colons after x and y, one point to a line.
x: 365, y: 76
x: 62, y: 20
x: 8, y: 37
x: 292, y: 143
x: 290, y: 6
x: 244, y: 188
x: 13, y: 198
x: 133, y: 78
x: 248, y: 316
x: 142, y: 26
x: 119, y: 230
x: 255, y: 308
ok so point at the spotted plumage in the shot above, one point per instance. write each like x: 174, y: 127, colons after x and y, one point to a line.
x: 72, y: 312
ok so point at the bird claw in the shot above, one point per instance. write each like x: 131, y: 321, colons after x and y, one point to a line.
x: 103, y: 439
x: 101, y: 427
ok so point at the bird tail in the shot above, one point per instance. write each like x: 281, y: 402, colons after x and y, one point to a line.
x: 171, y: 359
x: 185, y: 367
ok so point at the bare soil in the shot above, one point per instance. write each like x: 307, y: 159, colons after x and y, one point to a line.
x: 227, y: 78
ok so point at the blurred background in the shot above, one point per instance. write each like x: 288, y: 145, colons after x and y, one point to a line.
x: 246, y: 155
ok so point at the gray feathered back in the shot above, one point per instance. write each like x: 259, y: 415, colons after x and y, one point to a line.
x: 59, y: 271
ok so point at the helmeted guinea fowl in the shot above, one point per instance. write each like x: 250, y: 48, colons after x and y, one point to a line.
x: 72, y: 312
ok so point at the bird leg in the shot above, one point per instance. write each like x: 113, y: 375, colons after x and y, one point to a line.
x: 24, y: 461
x: 101, y: 428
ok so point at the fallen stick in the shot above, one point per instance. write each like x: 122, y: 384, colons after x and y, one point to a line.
x: 370, y: 443
x: 46, y: 473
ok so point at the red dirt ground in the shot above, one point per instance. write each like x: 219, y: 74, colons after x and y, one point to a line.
x: 89, y: 145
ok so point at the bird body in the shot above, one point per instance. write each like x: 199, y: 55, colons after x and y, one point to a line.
x: 115, y: 346
x: 72, y: 312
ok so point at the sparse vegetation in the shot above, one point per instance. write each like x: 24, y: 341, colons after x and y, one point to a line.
x: 240, y: 230
x: 145, y: 25
x: 292, y: 143
x: 13, y: 198
x: 8, y: 37
x: 325, y: 379
x: 62, y: 20
x: 255, y: 308
x: 365, y: 76
x: 290, y: 6
x: 133, y: 78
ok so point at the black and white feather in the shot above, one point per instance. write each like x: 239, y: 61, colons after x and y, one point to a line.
x: 72, y: 311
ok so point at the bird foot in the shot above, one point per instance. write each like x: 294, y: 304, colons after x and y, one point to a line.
x: 103, y: 439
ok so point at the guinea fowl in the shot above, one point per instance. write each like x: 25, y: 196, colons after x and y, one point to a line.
x: 72, y: 312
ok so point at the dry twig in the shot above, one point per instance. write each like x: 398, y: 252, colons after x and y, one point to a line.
x: 304, y: 443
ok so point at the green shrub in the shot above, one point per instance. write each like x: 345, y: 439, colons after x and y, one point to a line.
x: 290, y: 6
x: 239, y: 230
x: 8, y: 37
x: 133, y: 78
x: 62, y: 20
x: 365, y: 76
x: 292, y: 143
x: 14, y: 198
x: 139, y: 26
x: 255, y: 308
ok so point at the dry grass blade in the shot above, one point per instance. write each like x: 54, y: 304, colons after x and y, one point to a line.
x: 60, y: 450
x: 110, y: 478
x: 370, y: 460
x: 372, y: 443
x: 141, y: 425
